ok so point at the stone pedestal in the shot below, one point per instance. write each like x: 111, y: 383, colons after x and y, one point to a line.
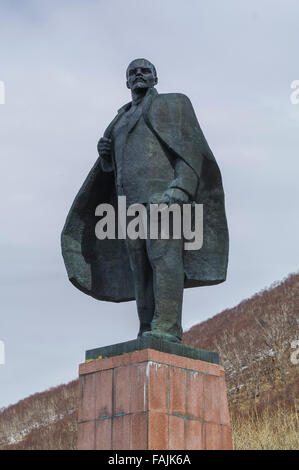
x: 149, y: 399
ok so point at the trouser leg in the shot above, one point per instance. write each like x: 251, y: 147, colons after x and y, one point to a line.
x: 143, y: 282
x: 166, y: 258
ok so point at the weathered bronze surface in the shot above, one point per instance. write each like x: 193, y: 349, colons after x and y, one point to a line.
x: 152, y: 152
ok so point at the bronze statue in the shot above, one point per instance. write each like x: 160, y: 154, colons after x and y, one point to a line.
x: 153, y: 152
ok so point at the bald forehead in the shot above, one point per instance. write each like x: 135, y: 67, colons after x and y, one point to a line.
x: 140, y: 63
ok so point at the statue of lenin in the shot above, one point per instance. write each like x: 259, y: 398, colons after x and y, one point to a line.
x: 153, y: 152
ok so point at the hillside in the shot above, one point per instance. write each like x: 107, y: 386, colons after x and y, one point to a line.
x: 46, y: 420
x: 254, y: 340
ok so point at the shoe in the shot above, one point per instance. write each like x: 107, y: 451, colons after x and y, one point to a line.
x: 162, y: 336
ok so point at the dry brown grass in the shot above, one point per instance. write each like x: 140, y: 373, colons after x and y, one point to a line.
x: 277, y: 430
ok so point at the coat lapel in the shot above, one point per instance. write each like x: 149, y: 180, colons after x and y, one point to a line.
x: 134, y: 119
x: 120, y: 112
x: 148, y: 102
x: 142, y: 109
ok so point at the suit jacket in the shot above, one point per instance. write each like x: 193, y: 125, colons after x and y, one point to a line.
x: 101, y: 268
x: 143, y: 166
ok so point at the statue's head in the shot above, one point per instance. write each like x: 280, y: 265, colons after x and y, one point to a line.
x: 141, y: 73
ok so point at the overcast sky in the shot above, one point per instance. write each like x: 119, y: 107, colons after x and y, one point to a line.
x: 63, y: 64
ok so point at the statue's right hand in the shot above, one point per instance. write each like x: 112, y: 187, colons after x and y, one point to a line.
x: 104, y: 148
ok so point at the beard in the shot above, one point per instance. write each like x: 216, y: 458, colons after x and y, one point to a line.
x: 140, y: 84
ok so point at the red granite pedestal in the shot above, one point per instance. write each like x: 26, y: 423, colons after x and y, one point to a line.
x: 152, y: 400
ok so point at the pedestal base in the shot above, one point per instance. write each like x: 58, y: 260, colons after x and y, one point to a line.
x: 149, y: 399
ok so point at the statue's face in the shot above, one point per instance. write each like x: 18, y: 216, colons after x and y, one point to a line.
x: 140, y: 74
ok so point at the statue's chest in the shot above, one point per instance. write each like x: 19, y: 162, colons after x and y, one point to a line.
x: 142, y: 149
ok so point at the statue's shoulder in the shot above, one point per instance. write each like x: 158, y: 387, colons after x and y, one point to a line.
x: 173, y: 103
x: 176, y: 98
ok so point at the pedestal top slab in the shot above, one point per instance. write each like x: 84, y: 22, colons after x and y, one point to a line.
x: 152, y: 343
x: 150, y: 355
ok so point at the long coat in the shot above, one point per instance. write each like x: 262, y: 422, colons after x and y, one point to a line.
x: 101, y: 268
